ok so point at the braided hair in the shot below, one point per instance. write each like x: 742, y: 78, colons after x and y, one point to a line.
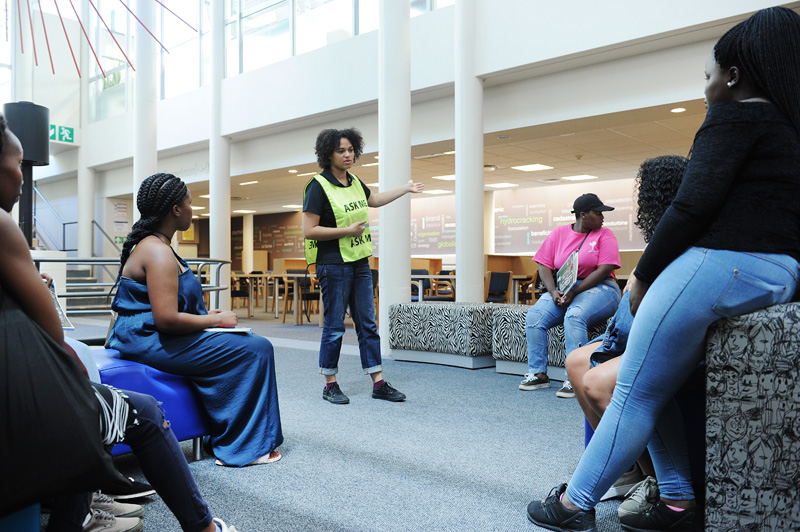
x: 328, y: 140
x: 656, y: 184
x: 766, y: 48
x: 157, y: 195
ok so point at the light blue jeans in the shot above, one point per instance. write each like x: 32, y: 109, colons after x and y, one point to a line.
x: 666, y: 343
x: 586, y: 309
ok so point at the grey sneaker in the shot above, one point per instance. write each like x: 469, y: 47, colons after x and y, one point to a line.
x: 532, y: 382
x: 658, y: 516
x: 630, y: 479
x: 334, y: 395
x: 101, y: 521
x: 640, y: 497
x: 566, y: 391
x: 117, y: 509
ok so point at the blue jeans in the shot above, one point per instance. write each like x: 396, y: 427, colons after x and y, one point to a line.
x: 163, y: 464
x: 586, y: 309
x: 666, y: 343
x: 343, y: 285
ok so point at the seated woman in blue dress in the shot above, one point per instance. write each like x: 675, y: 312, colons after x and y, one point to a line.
x: 162, y: 320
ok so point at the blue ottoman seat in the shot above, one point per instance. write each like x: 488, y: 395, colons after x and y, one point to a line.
x: 179, y: 400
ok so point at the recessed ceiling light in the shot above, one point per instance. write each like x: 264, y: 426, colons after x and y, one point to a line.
x: 249, y: 183
x: 445, y: 177
x: 292, y: 171
x: 195, y: 217
x: 437, y: 191
x: 582, y: 177
x: 292, y: 206
x: 205, y: 214
x: 532, y: 167
x: 371, y: 164
x: 204, y: 196
x: 677, y: 110
x: 373, y: 184
x: 244, y: 211
x: 197, y: 207
x: 449, y: 152
x: 503, y: 185
x: 489, y: 167
x: 377, y: 156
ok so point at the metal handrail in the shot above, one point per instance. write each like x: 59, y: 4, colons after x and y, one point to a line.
x: 97, y: 225
x: 214, y: 276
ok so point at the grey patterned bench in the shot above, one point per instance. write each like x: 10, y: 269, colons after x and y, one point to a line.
x: 510, y: 348
x: 753, y: 421
x: 452, y: 334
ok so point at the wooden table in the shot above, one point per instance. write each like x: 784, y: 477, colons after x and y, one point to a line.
x: 292, y: 278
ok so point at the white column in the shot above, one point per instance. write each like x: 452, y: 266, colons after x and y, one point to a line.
x: 219, y: 148
x: 247, y: 243
x: 86, y: 183
x: 394, y: 146
x: 145, y: 101
x: 488, y: 221
x: 22, y: 63
x: 469, y: 158
x: 21, y: 67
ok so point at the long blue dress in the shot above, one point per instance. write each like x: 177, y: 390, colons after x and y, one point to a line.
x: 234, y: 373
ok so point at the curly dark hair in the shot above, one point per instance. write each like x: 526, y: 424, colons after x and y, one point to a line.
x: 157, y: 195
x: 766, y: 50
x: 656, y: 185
x: 328, y: 140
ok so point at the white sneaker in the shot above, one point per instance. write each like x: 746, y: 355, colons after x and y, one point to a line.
x: 222, y: 527
x: 117, y: 509
x: 101, y: 521
x: 566, y: 391
x: 532, y: 382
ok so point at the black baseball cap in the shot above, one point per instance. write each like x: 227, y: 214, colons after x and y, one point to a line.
x: 589, y: 202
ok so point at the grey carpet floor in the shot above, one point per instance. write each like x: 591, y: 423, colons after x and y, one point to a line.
x: 466, y: 451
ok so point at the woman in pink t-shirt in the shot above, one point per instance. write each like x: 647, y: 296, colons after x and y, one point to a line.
x: 593, y: 298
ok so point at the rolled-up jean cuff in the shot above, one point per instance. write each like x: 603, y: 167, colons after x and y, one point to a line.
x: 328, y: 371
x: 373, y: 369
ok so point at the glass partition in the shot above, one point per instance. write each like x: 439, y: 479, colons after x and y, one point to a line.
x: 322, y: 22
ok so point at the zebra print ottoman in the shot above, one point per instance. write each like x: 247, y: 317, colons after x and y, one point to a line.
x: 453, y: 334
x: 753, y: 421
x: 510, y: 348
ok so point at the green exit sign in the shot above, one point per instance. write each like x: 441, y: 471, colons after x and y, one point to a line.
x: 62, y: 133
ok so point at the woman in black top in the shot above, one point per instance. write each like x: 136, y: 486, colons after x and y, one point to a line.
x: 728, y: 245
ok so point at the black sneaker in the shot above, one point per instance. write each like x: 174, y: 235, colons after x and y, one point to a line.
x: 131, y: 490
x: 387, y: 393
x: 552, y: 515
x: 334, y: 395
x: 657, y: 516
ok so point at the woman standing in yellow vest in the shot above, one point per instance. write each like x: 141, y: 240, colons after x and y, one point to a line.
x: 338, y: 240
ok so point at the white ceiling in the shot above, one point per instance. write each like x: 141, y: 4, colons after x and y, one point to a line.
x: 609, y: 147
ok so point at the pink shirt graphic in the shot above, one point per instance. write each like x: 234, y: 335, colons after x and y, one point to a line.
x: 600, y: 247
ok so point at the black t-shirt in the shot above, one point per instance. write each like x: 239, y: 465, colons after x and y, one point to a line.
x: 317, y: 202
x: 740, y: 192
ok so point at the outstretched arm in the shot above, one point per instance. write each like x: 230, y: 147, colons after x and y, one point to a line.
x: 382, y: 198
